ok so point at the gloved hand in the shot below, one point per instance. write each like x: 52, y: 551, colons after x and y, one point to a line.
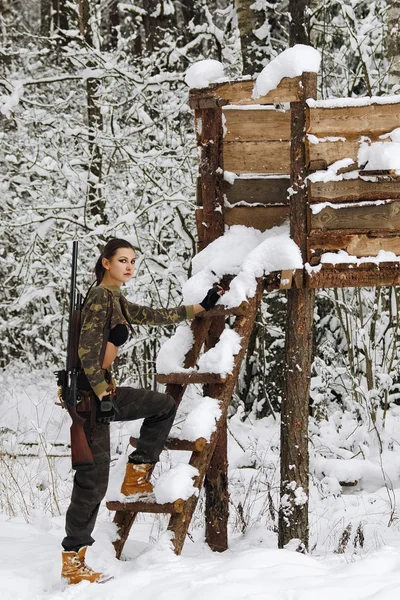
x: 213, y: 295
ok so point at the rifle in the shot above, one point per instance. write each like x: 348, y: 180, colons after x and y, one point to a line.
x: 82, y: 457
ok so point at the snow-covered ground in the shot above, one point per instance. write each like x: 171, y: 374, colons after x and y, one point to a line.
x: 355, y: 532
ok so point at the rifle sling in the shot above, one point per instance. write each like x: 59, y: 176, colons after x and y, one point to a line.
x: 107, y: 327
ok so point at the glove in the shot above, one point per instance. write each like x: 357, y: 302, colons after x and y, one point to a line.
x: 212, y: 296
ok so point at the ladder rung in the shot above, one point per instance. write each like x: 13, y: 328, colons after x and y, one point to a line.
x: 177, y: 444
x: 222, y: 311
x: 186, y: 378
x: 148, y: 505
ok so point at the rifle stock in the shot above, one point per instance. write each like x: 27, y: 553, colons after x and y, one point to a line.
x: 82, y: 457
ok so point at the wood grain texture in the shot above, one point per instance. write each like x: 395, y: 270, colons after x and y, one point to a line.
x: 326, y: 153
x: 370, y: 218
x: 359, y: 245
x: 256, y: 125
x: 260, y: 191
x: 259, y: 217
x: 353, y: 121
x: 240, y: 92
x: 352, y: 190
x: 256, y: 157
x: 294, y: 463
x: 177, y: 444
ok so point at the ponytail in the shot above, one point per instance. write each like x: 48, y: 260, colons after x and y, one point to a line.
x: 99, y: 270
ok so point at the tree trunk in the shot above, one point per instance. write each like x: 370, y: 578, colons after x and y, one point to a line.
x: 156, y: 22
x: 393, y: 42
x: 95, y: 203
x: 45, y: 17
x: 110, y: 25
x: 299, y: 30
x: 60, y: 15
x: 248, y: 21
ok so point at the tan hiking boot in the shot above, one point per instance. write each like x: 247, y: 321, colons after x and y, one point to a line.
x: 137, y: 479
x: 74, y: 569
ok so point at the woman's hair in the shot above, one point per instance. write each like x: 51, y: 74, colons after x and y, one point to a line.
x: 108, y: 252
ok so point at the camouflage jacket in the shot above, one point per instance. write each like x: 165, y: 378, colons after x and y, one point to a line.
x: 95, y: 329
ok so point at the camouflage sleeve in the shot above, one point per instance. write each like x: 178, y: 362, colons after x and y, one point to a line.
x: 94, y: 316
x: 143, y: 315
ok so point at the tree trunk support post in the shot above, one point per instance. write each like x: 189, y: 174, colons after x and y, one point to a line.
x: 209, y: 130
x: 293, y: 511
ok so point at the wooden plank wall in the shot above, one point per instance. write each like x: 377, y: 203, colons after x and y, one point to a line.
x: 363, y: 214
x: 348, y: 124
x: 256, y: 148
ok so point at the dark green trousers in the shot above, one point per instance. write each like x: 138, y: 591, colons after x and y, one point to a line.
x: 158, y: 411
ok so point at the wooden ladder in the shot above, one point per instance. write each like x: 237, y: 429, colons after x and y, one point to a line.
x: 206, y: 456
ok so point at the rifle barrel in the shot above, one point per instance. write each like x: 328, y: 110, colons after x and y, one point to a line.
x: 72, y: 294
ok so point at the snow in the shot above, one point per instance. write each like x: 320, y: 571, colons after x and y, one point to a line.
x: 342, y: 257
x: 253, y: 567
x: 201, y: 420
x: 176, y: 483
x: 379, y: 156
x: 316, y: 208
x: 230, y: 177
x: 8, y: 103
x: 204, y: 72
x: 331, y: 173
x: 349, y: 102
x: 292, y: 62
x: 313, y: 139
x: 220, y: 359
x: 172, y: 353
x: 246, y: 253
x: 283, y: 107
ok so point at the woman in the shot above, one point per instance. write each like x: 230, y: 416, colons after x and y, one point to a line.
x: 106, y: 319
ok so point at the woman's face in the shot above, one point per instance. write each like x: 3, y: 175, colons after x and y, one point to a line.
x: 119, y: 268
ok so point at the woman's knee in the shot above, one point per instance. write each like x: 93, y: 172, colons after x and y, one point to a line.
x: 170, y: 404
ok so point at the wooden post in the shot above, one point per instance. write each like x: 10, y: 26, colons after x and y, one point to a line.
x: 293, y: 512
x: 216, y: 480
x: 208, y: 123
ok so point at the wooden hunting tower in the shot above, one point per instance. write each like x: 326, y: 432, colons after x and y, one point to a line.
x: 272, y: 145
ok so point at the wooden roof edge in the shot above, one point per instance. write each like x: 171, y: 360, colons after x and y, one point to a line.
x: 216, y: 95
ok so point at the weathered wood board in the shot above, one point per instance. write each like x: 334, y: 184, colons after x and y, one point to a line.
x: 363, y: 218
x: 259, y: 217
x: 256, y: 125
x: 256, y: 157
x: 320, y: 156
x: 260, y: 191
x: 350, y: 190
x: 240, y: 92
x: 353, y: 121
x: 344, y: 275
x: 359, y: 245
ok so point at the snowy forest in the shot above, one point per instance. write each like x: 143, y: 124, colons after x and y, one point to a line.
x: 98, y: 141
